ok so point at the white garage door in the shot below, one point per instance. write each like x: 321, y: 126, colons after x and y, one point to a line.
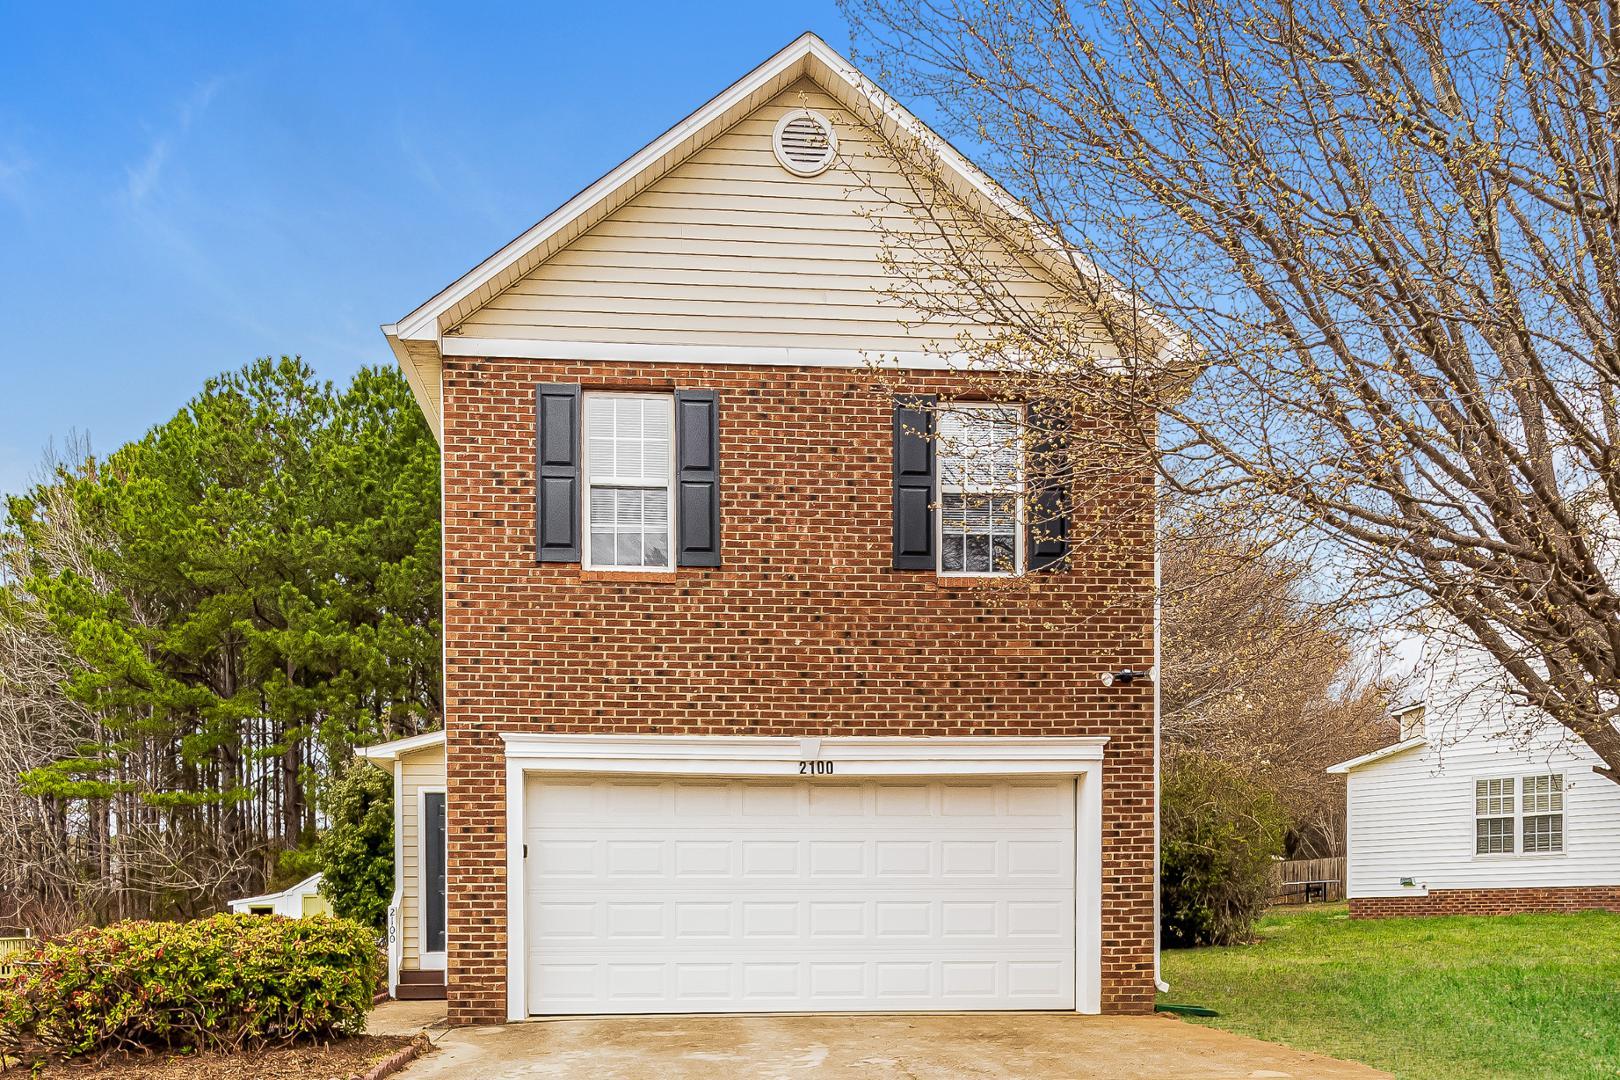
x: 649, y: 896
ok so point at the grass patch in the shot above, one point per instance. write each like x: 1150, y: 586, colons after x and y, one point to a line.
x: 1512, y: 996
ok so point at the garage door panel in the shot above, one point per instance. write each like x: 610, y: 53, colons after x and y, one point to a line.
x: 671, y: 896
x: 722, y: 918
x: 848, y: 983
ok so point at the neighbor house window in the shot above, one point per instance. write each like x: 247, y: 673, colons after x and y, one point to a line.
x: 628, y: 479
x: 1534, y: 812
x: 1493, y: 816
x: 1543, y: 808
x: 980, y: 490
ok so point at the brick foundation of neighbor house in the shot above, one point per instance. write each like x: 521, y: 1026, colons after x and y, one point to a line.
x: 1553, y: 901
x: 805, y: 629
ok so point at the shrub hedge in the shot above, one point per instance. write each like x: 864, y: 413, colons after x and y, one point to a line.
x: 1219, y: 831
x: 229, y: 982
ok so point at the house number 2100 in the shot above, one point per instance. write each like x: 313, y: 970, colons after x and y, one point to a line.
x: 815, y: 768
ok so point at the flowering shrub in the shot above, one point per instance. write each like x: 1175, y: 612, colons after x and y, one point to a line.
x: 223, y: 983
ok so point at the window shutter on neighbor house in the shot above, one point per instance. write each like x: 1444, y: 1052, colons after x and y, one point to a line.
x: 1048, y: 467
x: 697, y: 478
x: 914, y: 469
x: 556, y: 472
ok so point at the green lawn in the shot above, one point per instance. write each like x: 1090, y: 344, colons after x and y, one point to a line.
x: 1520, y: 996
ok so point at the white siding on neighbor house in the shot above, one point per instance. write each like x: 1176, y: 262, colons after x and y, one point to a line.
x: 731, y: 249
x: 1412, y: 815
x: 424, y: 769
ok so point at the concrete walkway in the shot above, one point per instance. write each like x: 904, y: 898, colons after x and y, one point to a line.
x: 1026, y: 1046
x: 406, y: 1018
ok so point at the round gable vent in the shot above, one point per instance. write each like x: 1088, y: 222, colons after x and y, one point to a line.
x: 805, y: 142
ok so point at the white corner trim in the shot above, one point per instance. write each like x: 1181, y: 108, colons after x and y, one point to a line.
x: 780, y: 756
x: 730, y: 355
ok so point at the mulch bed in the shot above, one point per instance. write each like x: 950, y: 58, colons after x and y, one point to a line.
x: 339, y: 1060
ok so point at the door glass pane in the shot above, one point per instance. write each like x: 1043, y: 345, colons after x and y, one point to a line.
x: 434, y: 871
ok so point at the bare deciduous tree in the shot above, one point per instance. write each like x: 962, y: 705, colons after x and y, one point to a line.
x: 1388, y: 229
x: 1257, y: 673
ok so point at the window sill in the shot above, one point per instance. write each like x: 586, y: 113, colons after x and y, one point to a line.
x: 972, y: 581
x: 634, y: 577
x: 1519, y: 856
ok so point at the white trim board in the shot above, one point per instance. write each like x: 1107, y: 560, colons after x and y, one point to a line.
x: 727, y: 355
x: 852, y: 756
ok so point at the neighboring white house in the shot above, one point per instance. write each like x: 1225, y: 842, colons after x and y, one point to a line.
x: 1482, y: 807
x: 295, y: 901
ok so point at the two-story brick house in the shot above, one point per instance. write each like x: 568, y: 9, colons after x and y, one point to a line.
x: 739, y: 714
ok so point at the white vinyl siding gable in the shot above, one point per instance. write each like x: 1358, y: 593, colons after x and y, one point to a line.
x: 731, y: 249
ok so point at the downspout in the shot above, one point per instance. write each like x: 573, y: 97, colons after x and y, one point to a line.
x: 444, y: 671
x: 1158, y: 678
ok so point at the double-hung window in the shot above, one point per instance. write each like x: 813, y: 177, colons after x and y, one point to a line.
x: 1493, y: 816
x: 1530, y: 808
x: 1542, y: 804
x: 628, y: 476
x: 980, y: 490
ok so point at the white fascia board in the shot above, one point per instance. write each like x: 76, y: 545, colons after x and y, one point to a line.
x: 309, y: 884
x: 389, y: 751
x: 413, y: 376
x: 1377, y: 755
x: 741, y: 355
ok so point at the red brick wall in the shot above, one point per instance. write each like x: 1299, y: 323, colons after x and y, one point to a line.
x: 1489, y: 902
x: 805, y: 629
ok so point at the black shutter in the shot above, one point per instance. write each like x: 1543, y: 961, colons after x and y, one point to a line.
x: 914, y: 482
x: 556, y: 472
x: 697, y: 478
x: 1048, y: 469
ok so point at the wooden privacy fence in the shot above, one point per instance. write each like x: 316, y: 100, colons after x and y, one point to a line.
x: 1306, y: 881
x: 11, y: 948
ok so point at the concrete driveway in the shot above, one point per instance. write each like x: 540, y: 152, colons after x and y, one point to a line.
x: 1059, y: 1046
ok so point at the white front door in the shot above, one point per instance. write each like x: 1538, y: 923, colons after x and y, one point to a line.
x: 728, y: 895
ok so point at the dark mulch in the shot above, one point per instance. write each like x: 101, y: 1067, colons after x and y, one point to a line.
x: 335, y: 1061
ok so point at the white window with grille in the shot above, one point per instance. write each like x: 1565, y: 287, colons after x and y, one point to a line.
x: 628, y: 475
x: 1519, y: 815
x: 1542, y: 804
x: 980, y: 491
x: 1493, y: 816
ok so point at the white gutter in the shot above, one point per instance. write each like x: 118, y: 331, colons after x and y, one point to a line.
x: 1158, y: 676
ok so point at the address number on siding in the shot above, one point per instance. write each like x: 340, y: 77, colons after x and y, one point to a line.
x: 815, y: 768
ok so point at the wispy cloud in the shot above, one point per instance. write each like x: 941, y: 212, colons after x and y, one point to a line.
x: 449, y: 174
x: 142, y: 178
x: 14, y: 168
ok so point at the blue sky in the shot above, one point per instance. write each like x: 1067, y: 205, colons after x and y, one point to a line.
x: 183, y: 188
